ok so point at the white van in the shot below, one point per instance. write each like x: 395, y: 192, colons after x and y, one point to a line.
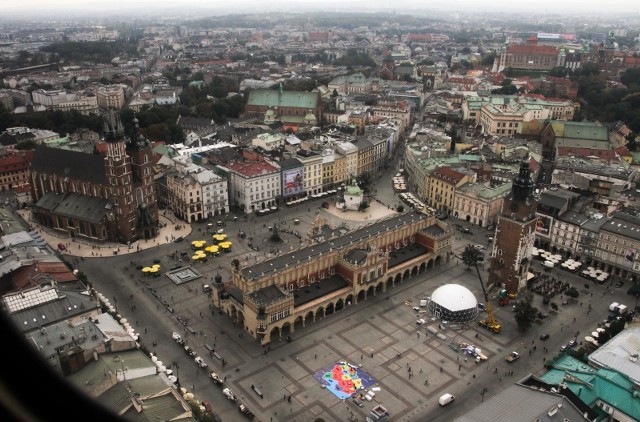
x: 445, y: 399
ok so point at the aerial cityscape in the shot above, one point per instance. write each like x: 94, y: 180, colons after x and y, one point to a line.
x: 320, y: 211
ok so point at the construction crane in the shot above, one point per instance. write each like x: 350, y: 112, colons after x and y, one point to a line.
x: 490, y: 322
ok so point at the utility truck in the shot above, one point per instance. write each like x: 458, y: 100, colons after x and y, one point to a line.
x: 511, y: 357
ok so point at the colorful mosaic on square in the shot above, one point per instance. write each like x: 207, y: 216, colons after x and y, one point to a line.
x: 344, y: 379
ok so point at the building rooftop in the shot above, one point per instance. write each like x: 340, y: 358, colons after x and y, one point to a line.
x: 270, y: 266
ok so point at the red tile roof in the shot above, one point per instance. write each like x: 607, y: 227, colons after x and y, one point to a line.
x: 252, y: 169
x: 420, y: 37
x: 448, y: 175
x: 602, y: 154
x: 623, y: 151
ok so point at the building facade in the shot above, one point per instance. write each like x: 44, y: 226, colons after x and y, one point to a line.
x: 14, y: 171
x: 442, y: 184
x: 274, y: 298
x: 108, y: 197
x: 479, y: 204
x: 253, y: 185
x: 111, y: 97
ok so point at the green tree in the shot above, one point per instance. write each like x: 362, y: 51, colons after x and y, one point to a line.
x: 559, y: 71
x: 572, y: 292
x: 632, y: 143
x: 488, y: 59
x: 470, y: 256
x: 26, y: 145
x: 364, y: 181
x: 631, y: 78
x: 525, y: 313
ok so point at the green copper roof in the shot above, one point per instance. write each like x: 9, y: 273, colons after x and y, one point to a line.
x: 353, y: 190
x: 275, y: 98
x: 591, y: 384
x: 584, y: 131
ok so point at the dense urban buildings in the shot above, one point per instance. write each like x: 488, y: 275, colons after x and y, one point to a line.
x: 511, y: 140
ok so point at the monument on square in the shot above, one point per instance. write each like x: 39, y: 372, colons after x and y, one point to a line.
x: 350, y: 198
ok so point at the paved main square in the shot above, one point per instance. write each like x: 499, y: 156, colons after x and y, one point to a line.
x: 411, y: 366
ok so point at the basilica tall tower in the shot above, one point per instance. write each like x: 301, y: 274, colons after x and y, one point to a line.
x: 515, y: 234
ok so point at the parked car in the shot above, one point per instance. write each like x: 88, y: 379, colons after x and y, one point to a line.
x: 207, y: 406
x: 544, y: 336
x: 445, y: 399
x: 572, y: 344
x: 229, y: 394
x: 245, y: 411
x: 200, y: 362
x: 357, y: 402
x: 216, y: 378
x: 177, y: 338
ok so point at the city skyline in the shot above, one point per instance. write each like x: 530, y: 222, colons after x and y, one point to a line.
x: 151, y: 7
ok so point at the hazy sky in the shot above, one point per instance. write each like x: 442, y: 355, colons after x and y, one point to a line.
x: 222, y: 6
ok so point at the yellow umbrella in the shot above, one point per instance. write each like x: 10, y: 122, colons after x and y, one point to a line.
x: 212, y: 249
x: 146, y: 269
x: 155, y: 266
x: 194, y: 242
x: 225, y: 245
x: 153, y: 270
x: 196, y: 257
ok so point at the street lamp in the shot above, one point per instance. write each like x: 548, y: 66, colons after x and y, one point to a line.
x: 124, y: 377
x: 175, y: 364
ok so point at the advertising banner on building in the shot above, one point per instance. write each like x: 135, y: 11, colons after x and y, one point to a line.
x: 629, y: 257
x: 544, y: 225
x: 292, y: 182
